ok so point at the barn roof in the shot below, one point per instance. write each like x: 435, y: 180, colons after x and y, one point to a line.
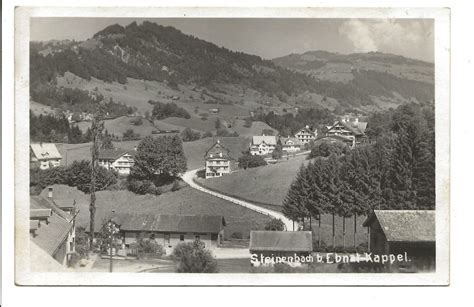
x: 45, y: 151
x: 166, y: 223
x: 112, y: 154
x: 215, y: 150
x: 50, y: 236
x: 295, y: 141
x: 306, y: 130
x: 268, y: 139
x: 43, y: 203
x: 358, y: 128
x: 405, y: 225
x: 288, y: 241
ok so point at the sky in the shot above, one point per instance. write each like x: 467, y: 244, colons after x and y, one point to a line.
x: 271, y: 37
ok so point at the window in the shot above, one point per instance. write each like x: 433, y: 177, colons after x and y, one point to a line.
x: 181, y: 237
x: 167, y: 240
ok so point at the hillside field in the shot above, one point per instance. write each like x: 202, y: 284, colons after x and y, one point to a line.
x: 266, y: 184
x: 194, y: 151
x: 269, y: 185
x: 185, y: 201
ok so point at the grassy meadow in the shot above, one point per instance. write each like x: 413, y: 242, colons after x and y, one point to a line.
x: 184, y: 201
x: 269, y: 185
x: 194, y: 151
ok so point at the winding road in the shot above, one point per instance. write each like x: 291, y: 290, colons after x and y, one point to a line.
x: 189, y: 176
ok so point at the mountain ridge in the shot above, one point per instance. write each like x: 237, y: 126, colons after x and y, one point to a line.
x: 149, y: 51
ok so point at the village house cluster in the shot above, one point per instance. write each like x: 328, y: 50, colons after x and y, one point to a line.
x: 348, y: 131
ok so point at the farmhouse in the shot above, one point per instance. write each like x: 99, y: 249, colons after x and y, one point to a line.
x: 353, y: 129
x: 274, y: 244
x: 52, y: 230
x: 44, y: 155
x: 168, y: 230
x: 218, y: 161
x: 116, y: 159
x: 399, y: 231
x: 291, y: 144
x: 306, y: 135
x: 263, y: 145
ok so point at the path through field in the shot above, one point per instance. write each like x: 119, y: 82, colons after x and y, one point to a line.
x: 189, y: 176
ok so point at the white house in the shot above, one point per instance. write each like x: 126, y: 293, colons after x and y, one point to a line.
x: 218, y: 161
x: 307, y: 134
x: 263, y: 145
x: 44, y: 155
x: 291, y: 144
x: 116, y: 159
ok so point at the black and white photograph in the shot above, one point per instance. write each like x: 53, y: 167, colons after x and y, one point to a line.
x: 245, y: 148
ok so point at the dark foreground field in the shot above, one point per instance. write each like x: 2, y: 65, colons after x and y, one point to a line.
x: 184, y: 201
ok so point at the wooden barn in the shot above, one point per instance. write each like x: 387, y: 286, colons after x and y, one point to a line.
x: 400, y: 231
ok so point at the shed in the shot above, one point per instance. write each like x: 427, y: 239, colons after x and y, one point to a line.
x: 399, y: 231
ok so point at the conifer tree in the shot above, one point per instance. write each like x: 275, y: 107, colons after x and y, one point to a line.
x: 332, y: 190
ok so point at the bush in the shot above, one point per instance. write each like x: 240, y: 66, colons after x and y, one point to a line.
x: 130, y: 135
x: 207, y: 134
x: 143, y: 187
x: 192, y: 257
x: 164, y: 110
x: 77, y: 174
x: 150, y: 247
x: 249, y: 161
x: 138, y: 121
x: 82, y: 242
x: 236, y: 235
x: 275, y: 225
x: 188, y: 135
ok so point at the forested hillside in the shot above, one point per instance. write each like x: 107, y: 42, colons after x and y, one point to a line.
x: 148, y: 51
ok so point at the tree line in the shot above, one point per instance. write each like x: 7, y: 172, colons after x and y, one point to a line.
x: 397, y: 172
x: 78, y: 101
x: 55, y: 129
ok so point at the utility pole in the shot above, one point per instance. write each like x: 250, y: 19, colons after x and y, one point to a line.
x: 97, y: 127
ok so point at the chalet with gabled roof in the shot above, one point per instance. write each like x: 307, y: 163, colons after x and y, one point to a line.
x: 306, y: 134
x: 218, y: 161
x: 263, y: 145
x: 44, y: 155
x: 353, y: 129
x: 291, y: 144
x: 117, y: 159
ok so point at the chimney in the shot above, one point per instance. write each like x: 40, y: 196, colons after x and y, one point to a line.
x: 218, y: 141
x: 50, y: 192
